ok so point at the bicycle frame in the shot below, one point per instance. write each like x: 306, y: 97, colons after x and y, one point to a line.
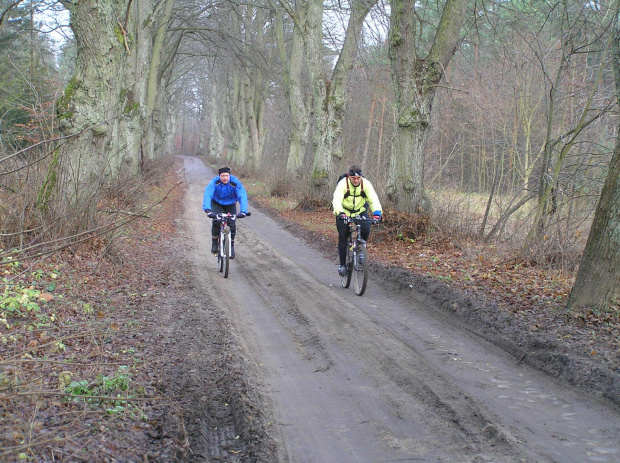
x: 357, y: 255
x: 224, y: 242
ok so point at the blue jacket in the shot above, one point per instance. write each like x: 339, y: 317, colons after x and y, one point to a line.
x: 225, y: 194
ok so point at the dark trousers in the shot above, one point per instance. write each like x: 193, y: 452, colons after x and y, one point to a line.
x: 218, y: 208
x: 343, y: 232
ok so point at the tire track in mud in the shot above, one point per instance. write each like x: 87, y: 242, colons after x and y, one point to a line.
x: 333, y: 377
x: 220, y: 415
x: 284, y: 301
x: 334, y: 334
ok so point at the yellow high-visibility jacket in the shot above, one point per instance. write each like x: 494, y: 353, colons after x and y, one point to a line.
x: 352, y: 200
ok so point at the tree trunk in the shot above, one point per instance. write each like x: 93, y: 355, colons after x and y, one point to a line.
x: 333, y: 108
x: 255, y: 102
x: 243, y: 89
x: 154, y: 112
x: 371, y: 121
x: 205, y: 135
x: 96, y: 98
x: 237, y: 135
x: 598, y: 277
x: 318, y: 80
x: 299, y: 104
x: 217, y: 141
x: 415, y: 82
x: 108, y: 105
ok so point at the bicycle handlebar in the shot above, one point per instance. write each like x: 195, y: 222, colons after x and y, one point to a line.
x: 228, y: 215
x: 359, y: 219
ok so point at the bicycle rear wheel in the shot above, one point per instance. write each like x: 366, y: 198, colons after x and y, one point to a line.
x: 360, y: 269
x: 345, y: 280
x: 226, y: 251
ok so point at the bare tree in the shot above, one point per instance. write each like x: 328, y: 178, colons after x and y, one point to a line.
x: 597, y: 279
x: 415, y: 80
x: 113, y: 103
x: 577, y: 36
x: 330, y: 109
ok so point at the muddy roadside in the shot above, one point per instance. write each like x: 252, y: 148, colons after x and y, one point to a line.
x: 562, y: 359
x: 125, y: 356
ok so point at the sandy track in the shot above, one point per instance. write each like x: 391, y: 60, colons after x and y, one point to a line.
x: 382, y: 377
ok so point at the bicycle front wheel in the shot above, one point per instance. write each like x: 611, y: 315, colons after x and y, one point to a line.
x: 226, y: 253
x: 360, y: 269
x: 345, y: 280
x: 220, y: 253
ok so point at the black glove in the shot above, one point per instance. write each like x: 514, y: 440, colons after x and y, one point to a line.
x: 342, y: 216
x: 241, y: 215
x: 210, y: 214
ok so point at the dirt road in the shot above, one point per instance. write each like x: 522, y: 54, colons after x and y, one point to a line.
x: 378, y: 378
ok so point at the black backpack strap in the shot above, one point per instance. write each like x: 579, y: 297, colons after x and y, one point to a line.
x: 362, y: 193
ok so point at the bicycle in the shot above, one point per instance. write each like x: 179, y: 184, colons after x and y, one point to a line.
x: 357, y: 256
x: 224, y: 241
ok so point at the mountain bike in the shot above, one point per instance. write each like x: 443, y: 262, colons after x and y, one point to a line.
x: 357, y: 256
x: 224, y: 243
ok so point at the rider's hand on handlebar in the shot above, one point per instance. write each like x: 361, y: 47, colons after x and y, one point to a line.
x: 342, y: 216
x: 377, y: 216
x: 210, y: 214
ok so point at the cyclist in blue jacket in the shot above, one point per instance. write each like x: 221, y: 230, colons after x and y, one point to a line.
x: 221, y: 195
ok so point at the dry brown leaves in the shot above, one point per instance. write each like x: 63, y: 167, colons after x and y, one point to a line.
x: 75, y: 382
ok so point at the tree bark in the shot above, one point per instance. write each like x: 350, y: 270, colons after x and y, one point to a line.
x: 96, y: 97
x: 108, y: 104
x: 330, y: 116
x: 415, y: 81
x: 318, y: 81
x: 598, y: 278
x: 205, y: 135
x: 217, y: 141
x: 154, y: 110
x: 299, y: 103
x: 371, y: 122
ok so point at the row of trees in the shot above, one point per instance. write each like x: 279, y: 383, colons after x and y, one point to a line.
x: 522, y: 113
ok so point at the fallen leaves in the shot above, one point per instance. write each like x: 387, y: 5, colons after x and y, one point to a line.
x: 80, y: 331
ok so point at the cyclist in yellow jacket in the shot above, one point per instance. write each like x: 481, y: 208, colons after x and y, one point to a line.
x: 354, y: 195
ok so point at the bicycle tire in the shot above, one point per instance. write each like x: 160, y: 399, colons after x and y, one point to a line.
x: 220, y: 253
x: 345, y: 280
x: 360, y: 269
x: 226, y: 249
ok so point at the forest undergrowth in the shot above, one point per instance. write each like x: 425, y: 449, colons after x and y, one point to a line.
x: 79, y: 378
